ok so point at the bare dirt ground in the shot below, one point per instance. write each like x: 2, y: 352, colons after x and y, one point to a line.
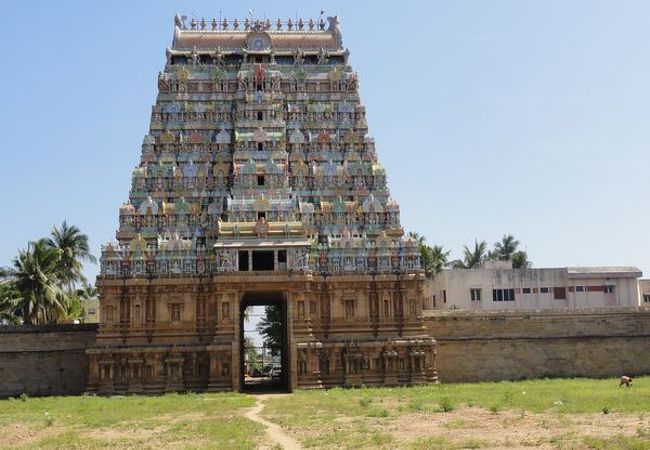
x: 509, y: 429
x: 478, y: 428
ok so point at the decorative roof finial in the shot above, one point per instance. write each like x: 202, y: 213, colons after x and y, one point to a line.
x: 179, y: 21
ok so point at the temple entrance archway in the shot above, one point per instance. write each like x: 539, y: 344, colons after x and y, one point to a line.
x: 264, y: 366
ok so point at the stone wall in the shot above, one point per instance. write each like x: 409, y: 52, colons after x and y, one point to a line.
x: 44, y: 360
x: 473, y: 346
x: 500, y: 345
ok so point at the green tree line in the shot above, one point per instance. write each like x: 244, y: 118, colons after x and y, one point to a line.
x: 45, y: 281
x: 434, y: 258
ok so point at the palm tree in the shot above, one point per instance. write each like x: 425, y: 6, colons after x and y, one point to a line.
x: 504, y: 249
x: 74, y: 248
x: 440, y: 258
x: 434, y: 259
x: 35, y: 277
x: 87, y: 292
x: 8, y: 304
x: 417, y: 236
x: 472, y: 258
x: 520, y: 260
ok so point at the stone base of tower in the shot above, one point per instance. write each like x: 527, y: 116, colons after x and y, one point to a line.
x: 185, y: 334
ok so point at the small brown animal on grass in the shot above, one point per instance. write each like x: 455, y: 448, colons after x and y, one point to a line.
x: 625, y: 381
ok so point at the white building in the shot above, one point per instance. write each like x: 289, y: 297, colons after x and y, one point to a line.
x: 644, y: 292
x: 497, y: 286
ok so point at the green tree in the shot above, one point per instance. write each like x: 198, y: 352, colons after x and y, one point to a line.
x: 417, y: 236
x: 504, y: 249
x: 74, y: 249
x: 439, y: 258
x: 472, y: 258
x: 520, y: 260
x: 9, y: 314
x: 433, y: 258
x: 253, y: 357
x: 35, y: 277
x: 270, y: 328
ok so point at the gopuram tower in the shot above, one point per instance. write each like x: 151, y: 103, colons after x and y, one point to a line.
x: 259, y: 184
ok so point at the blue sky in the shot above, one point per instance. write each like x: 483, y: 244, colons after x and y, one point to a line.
x: 496, y: 117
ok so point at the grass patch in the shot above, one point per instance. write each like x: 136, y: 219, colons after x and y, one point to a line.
x: 578, y: 395
x: 619, y: 442
x: 181, y: 420
x: 326, y: 411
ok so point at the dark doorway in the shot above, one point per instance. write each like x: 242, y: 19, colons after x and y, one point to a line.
x: 264, y: 352
x: 243, y: 261
x: 263, y: 260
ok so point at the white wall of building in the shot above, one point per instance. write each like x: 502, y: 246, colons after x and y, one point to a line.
x: 535, y: 288
x: 644, y: 292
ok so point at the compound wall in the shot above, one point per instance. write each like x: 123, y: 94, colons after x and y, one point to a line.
x: 473, y: 346
x: 500, y: 345
x: 45, y: 360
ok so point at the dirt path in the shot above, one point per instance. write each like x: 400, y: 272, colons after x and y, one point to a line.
x: 274, y: 432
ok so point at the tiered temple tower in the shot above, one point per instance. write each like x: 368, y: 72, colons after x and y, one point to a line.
x: 258, y: 183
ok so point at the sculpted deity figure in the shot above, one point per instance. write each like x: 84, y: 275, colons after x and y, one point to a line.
x: 262, y: 227
x: 299, y: 56
x: 322, y: 56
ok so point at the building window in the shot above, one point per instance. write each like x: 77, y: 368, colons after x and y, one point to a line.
x: 608, y: 289
x: 646, y: 298
x: 260, y: 146
x: 444, y: 296
x: 559, y: 293
x: 260, y: 180
x: 544, y: 290
x: 525, y: 291
x: 260, y: 116
x: 475, y: 294
x: 503, y: 295
x: 243, y: 260
x: 263, y: 260
x: 349, y: 309
x: 580, y: 288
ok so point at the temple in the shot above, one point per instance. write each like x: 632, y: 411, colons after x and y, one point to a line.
x: 259, y: 184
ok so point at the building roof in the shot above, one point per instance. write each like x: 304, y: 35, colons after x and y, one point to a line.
x: 257, y: 35
x: 607, y: 271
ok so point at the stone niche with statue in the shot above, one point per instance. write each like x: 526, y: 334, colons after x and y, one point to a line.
x: 259, y: 179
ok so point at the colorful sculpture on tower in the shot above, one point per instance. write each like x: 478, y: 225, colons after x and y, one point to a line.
x: 259, y: 178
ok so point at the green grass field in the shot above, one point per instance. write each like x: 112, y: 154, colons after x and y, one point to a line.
x: 174, y: 420
x: 558, y: 413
